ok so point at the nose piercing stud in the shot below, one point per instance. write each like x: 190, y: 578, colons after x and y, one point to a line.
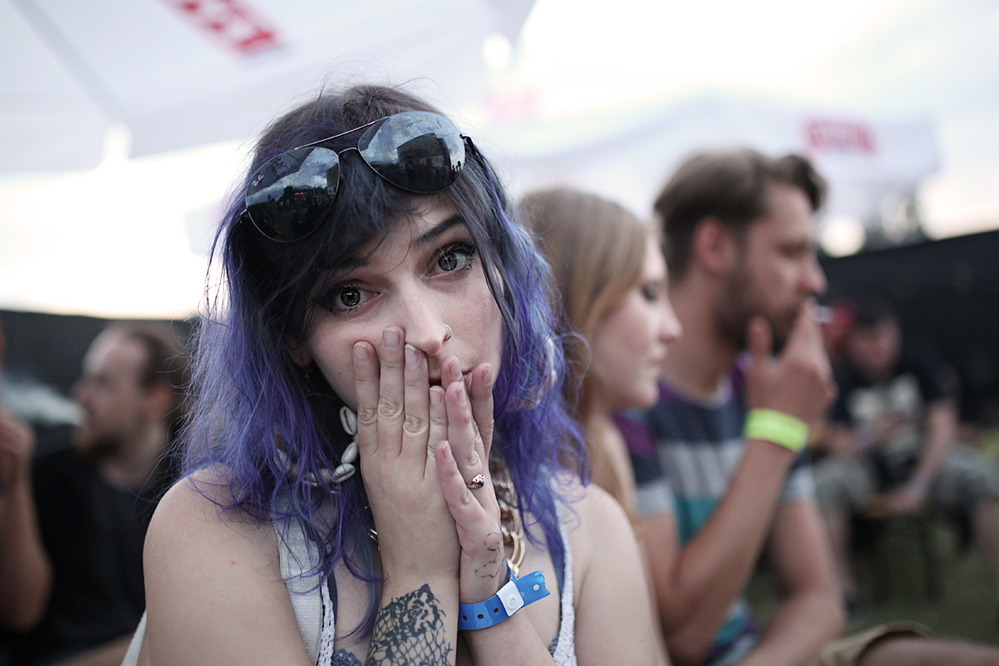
x: 447, y: 333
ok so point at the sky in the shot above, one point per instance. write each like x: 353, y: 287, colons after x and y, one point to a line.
x: 936, y: 59
x: 918, y: 59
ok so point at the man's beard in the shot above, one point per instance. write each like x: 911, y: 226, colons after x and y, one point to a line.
x: 97, y: 447
x: 737, y: 308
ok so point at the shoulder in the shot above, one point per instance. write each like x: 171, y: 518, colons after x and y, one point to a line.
x: 593, y: 520
x: 214, y: 590
x: 191, y: 518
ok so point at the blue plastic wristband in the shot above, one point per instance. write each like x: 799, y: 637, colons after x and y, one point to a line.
x: 513, y: 596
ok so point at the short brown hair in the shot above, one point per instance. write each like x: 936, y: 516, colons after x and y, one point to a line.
x: 731, y: 186
x: 165, y: 362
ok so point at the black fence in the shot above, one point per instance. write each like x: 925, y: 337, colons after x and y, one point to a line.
x: 945, y: 292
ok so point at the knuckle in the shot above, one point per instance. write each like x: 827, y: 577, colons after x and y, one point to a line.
x: 389, y: 408
x: 414, y: 424
x: 462, y: 418
x: 493, y: 541
x: 466, y: 500
x: 366, y: 416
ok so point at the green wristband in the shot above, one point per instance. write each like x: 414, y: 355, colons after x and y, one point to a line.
x: 777, y: 427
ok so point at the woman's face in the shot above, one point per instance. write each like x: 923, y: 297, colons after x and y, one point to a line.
x: 630, y: 341
x: 424, y: 277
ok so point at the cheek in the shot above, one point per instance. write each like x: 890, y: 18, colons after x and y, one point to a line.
x: 333, y: 356
x: 621, y: 346
x: 481, y: 326
x: 636, y: 330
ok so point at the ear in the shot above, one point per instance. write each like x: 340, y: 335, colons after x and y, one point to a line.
x: 715, y: 248
x: 159, y: 400
x: 299, y: 353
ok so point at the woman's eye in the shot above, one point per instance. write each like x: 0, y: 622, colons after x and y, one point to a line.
x: 650, y: 292
x: 349, y: 297
x: 455, y: 257
x: 343, y: 299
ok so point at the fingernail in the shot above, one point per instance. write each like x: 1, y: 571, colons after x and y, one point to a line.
x: 487, y: 375
x: 391, y: 338
x: 445, y: 449
x: 462, y: 398
x: 410, y: 356
x: 360, y: 354
x: 435, y: 397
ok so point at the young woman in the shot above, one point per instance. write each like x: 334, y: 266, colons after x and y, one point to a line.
x: 377, y: 292
x: 610, y: 279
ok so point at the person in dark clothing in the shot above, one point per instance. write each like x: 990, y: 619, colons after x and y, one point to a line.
x: 893, y: 439
x: 94, y: 497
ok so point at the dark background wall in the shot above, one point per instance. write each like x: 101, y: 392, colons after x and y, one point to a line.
x: 49, y: 348
x: 946, y: 292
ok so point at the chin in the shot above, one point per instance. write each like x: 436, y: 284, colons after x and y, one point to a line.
x: 644, y: 400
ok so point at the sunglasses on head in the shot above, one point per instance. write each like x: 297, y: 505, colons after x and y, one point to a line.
x: 290, y: 195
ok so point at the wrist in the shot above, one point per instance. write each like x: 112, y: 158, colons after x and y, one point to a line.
x: 776, y: 427
x: 510, y: 598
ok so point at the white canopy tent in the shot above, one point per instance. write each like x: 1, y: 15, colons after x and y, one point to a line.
x: 873, y: 165
x: 185, y: 73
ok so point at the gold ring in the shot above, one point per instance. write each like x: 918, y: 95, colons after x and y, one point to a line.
x: 477, y: 482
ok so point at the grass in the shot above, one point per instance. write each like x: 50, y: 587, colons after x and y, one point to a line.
x: 968, y: 607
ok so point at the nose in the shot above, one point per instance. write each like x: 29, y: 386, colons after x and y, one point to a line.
x: 421, y: 322
x: 78, y: 388
x: 670, y: 328
x: 815, y: 277
x: 80, y: 391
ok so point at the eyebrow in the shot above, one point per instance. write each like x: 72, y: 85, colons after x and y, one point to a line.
x: 439, y: 229
x: 427, y: 237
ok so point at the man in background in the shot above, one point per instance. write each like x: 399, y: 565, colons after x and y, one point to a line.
x: 721, y: 479
x: 893, y: 441
x: 94, y: 498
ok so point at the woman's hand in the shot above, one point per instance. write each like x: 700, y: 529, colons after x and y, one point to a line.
x: 467, y: 413
x: 416, y: 534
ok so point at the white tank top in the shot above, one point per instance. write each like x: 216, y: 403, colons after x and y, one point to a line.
x: 314, y: 607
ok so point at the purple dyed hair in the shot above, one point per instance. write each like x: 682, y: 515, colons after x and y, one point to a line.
x: 249, y: 397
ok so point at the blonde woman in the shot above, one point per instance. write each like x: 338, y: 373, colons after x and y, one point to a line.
x: 610, y: 284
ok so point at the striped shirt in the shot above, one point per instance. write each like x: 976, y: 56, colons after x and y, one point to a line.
x: 684, y: 454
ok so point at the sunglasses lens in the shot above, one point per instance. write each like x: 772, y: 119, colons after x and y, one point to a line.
x: 415, y: 151
x: 289, y: 196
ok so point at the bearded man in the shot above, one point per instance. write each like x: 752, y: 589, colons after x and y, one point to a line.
x: 94, y: 497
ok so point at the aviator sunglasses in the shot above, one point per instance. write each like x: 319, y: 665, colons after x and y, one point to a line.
x: 289, y: 196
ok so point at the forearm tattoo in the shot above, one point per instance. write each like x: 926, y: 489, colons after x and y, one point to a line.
x: 410, y: 630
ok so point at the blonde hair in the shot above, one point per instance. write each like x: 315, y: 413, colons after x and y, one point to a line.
x: 596, y: 249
